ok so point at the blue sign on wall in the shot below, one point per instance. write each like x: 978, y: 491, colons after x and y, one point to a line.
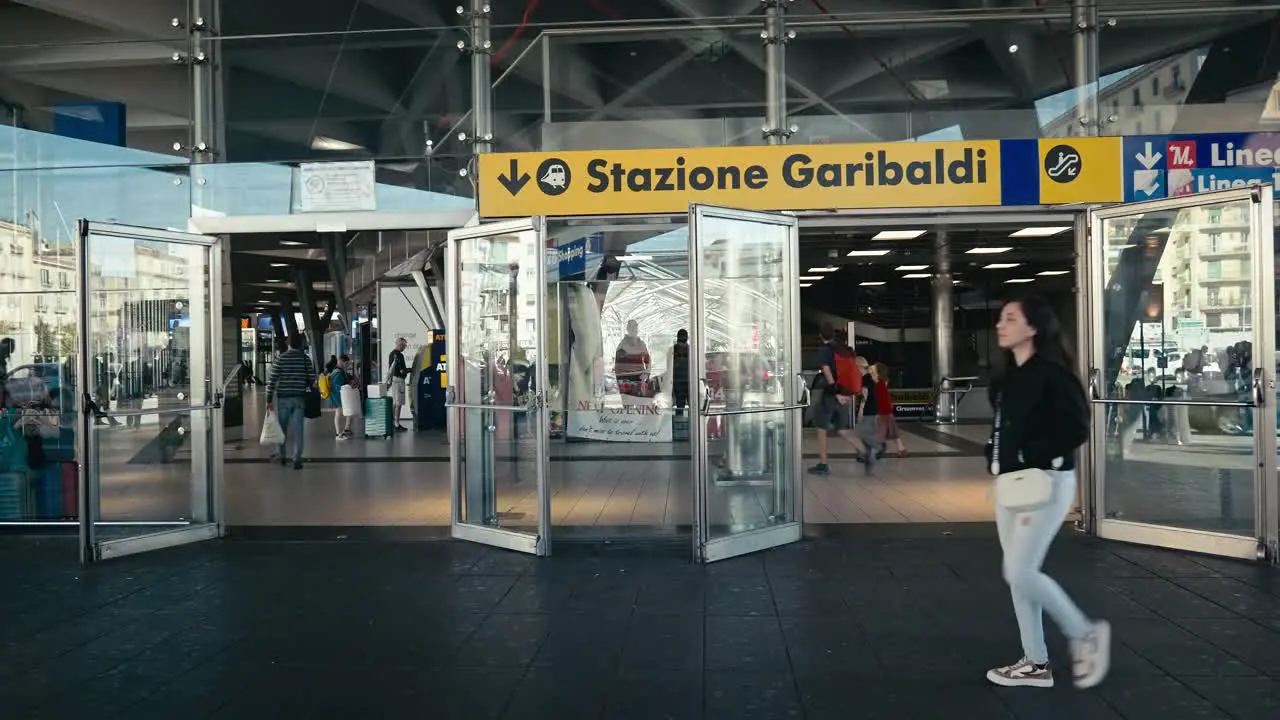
x: 1159, y: 166
x: 100, y: 122
x: 572, y: 257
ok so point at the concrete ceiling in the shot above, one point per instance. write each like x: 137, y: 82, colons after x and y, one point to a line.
x: 389, y: 89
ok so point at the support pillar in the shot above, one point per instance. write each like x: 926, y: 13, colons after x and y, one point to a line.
x: 428, y: 300
x: 1084, y: 51
x: 943, y: 321
x: 207, y: 126
x: 775, y: 36
x: 480, y: 48
x: 315, y: 335
x: 335, y: 255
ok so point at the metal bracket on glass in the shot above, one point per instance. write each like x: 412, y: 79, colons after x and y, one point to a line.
x: 1259, y: 387
x: 704, y: 390
x: 1095, y: 383
x: 217, y: 401
x: 450, y: 396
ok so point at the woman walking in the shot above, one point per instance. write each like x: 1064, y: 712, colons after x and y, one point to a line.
x: 1042, y: 417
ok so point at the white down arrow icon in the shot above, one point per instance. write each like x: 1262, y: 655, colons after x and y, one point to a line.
x: 1148, y: 158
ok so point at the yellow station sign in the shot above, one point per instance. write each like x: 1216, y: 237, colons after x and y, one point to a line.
x: 760, y: 178
x: 801, y: 177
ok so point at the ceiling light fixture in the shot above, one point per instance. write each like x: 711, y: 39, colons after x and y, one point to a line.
x: 871, y: 283
x: 916, y: 276
x: 1014, y: 281
x: 634, y: 258
x: 1039, y: 231
x: 827, y: 269
x: 321, y: 142
x: 867, y: 253
x: 292, y: 242
x: 1001, y: 266
x: 987, y: 250
x: 810, y: 278
x: 274, y: 280
x: 1053, y: 272
x: 898, y: 234
x: 911, y: 268
x: 806, y: 284
x: 279, y: 264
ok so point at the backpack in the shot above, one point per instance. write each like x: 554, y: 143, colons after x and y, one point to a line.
x: 848, y: 376
x: 326, y: 386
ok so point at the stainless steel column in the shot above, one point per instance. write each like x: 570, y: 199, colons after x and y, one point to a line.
x: 206, y: 86
x: 775, y: 36
x: 1084, y: 50
x: 481, y: 82
x: 943, y: 317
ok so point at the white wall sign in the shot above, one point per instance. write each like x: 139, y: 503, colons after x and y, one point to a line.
x: 337, y: 187
x: 627, y: 423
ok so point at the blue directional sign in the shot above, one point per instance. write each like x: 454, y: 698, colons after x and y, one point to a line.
x: 573, y: 257
x: 1159, y: 166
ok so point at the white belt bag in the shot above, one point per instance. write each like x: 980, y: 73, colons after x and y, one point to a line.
x: 1022, y: 490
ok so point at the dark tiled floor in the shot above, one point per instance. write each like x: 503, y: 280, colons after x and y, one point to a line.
x: 896, y: 627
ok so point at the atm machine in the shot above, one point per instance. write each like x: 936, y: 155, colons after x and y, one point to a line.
x: 432, y: 379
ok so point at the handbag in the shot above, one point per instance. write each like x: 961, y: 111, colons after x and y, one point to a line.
x: 1024, y: 490
x: 311, y: 404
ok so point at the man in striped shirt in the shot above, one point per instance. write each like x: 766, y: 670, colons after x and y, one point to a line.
x: 292, y: 377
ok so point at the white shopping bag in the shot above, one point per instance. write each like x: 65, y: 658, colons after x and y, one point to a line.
x: 272, y: 433
x: 350, y: 398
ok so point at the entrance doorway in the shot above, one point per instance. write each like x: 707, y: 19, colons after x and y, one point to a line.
x: 151, y: 390
x: 744, y: 394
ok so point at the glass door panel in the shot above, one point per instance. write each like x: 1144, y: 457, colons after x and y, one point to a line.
x: 497, y: 445
x: 746, y: 428
x: 150, y: 376
x: 1181, y: 415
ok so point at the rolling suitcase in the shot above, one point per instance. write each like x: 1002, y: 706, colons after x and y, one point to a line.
x: 377, y: 418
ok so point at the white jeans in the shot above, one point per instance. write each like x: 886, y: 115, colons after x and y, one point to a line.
x: 1025, y: 539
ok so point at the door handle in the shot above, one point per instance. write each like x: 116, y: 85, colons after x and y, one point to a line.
x: 1095, y: 383
x: 804, y: 390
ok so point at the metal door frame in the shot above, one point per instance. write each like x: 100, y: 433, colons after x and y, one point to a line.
x: 539, y: 544
x: 1262, y: 294
x: 91, y: 549
x: 705, y: 548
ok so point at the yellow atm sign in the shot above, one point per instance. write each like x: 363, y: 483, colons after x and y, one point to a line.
x: 800, y: 177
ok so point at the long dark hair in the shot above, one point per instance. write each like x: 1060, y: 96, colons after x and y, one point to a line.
x: 1049, y: 341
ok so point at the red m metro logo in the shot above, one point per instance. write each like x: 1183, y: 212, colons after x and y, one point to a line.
x: 1182, y: 154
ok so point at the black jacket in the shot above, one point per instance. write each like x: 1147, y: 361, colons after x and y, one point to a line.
x: 1044, y: 415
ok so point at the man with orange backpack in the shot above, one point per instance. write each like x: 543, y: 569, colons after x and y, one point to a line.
x: 840, y: 385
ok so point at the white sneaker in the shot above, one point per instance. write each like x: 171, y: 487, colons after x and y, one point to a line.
x: 1023, y: 673
x: 1091, y: 656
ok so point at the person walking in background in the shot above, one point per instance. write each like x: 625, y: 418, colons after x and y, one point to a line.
x: 1041, y: 419
x: 338, y: 379
x: 866, y: 428
x: 886, y: 423
x: 839, y: 384
x: 292, y: 377
x: 397, y: 374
